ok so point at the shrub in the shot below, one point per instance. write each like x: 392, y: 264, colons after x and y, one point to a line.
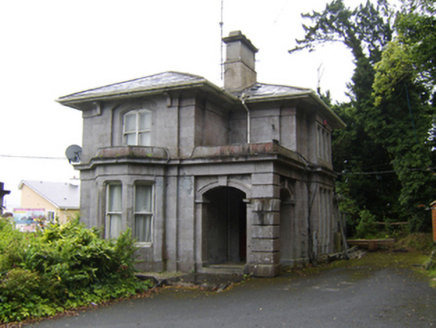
x: 62, y: 267
x: 367, y: 227
x: 430, y: 263
x: 421, y: 242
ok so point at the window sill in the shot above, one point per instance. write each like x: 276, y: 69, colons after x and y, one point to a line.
x: 132, y: 152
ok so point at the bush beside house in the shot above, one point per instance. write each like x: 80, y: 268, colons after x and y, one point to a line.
x: 62, y: 267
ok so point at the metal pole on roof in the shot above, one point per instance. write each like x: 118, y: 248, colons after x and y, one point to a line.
x: 221, y: 40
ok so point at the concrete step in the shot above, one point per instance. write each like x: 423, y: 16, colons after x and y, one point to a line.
x: 236, y: 269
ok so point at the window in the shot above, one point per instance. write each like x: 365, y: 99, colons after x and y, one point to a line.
x: 142, y: 212
x: 114, y: 212
x: 143, y: 216
x: 51, y: 215
x: 323, y: 143
x: 137, y: 128
x: 325, y: 223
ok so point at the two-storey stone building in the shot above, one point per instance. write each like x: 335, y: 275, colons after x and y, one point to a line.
x: 205, y: 175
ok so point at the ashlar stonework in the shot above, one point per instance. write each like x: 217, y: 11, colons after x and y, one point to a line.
x: 209, y: 177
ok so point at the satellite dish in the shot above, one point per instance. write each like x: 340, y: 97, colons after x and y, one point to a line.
x: 74, y: 153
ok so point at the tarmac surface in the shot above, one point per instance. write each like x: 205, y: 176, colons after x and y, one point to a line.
x: 337, y: 297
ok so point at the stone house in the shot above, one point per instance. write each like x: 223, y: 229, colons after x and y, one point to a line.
x: 207, y: 176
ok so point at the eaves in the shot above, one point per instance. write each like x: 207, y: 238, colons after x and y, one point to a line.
x: 203, y: 85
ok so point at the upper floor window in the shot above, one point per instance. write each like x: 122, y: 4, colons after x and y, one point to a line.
x: 323, y: 143
x: 137, y: 128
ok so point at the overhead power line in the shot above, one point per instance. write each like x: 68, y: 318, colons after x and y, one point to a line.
x: 33, y: 157
x: 430, y: 169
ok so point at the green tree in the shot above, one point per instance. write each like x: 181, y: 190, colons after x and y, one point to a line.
x: 355, y: 152
x: 383, y: 135
x: 404, y: 103
x: 416, y: 26
x: 410, y: 56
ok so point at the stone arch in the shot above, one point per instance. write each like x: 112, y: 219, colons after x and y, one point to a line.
x: 222, y: 183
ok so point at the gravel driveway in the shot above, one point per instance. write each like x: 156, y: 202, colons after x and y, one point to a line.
x: 353, y: 296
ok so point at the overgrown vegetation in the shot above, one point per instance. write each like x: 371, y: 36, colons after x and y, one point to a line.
x: 62, y: 267
x: 421, y: 242
x: 414, y: 252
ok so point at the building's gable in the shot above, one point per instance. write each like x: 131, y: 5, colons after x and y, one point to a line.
x: 58, y: 194
x: 31, y: 199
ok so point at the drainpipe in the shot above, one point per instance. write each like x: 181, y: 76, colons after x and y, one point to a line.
x: 243, y: 97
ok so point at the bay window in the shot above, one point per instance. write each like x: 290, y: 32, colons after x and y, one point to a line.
x: 143, y: 215
x: 142, y: 211
x: 114, y: 212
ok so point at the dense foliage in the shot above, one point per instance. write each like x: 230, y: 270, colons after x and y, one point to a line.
x: 384, y: 156
x: 410, y: 56
x: 63, y: 267
x: 404, y: 90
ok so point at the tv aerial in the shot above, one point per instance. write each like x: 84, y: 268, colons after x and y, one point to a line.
x: 74, y: 153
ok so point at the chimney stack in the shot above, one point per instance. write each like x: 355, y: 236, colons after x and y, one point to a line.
x: 239, y: 72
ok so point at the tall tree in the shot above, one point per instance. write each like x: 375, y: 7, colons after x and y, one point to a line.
x: 404, y: 103
x: 410, y: 57
x: 380, y: 138
x: 367, y: 180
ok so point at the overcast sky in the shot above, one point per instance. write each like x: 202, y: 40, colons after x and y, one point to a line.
x: 52, y: 48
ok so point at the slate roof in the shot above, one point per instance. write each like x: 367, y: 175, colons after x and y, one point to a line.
x: 175, y: 79
x: 63, y: 195
x: 165, y: 79
x: 262, y: 90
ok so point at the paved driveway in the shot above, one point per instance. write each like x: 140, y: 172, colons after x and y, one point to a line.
x: 340, y: 297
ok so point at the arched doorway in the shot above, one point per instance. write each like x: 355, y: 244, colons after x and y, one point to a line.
x: 226, y: 226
